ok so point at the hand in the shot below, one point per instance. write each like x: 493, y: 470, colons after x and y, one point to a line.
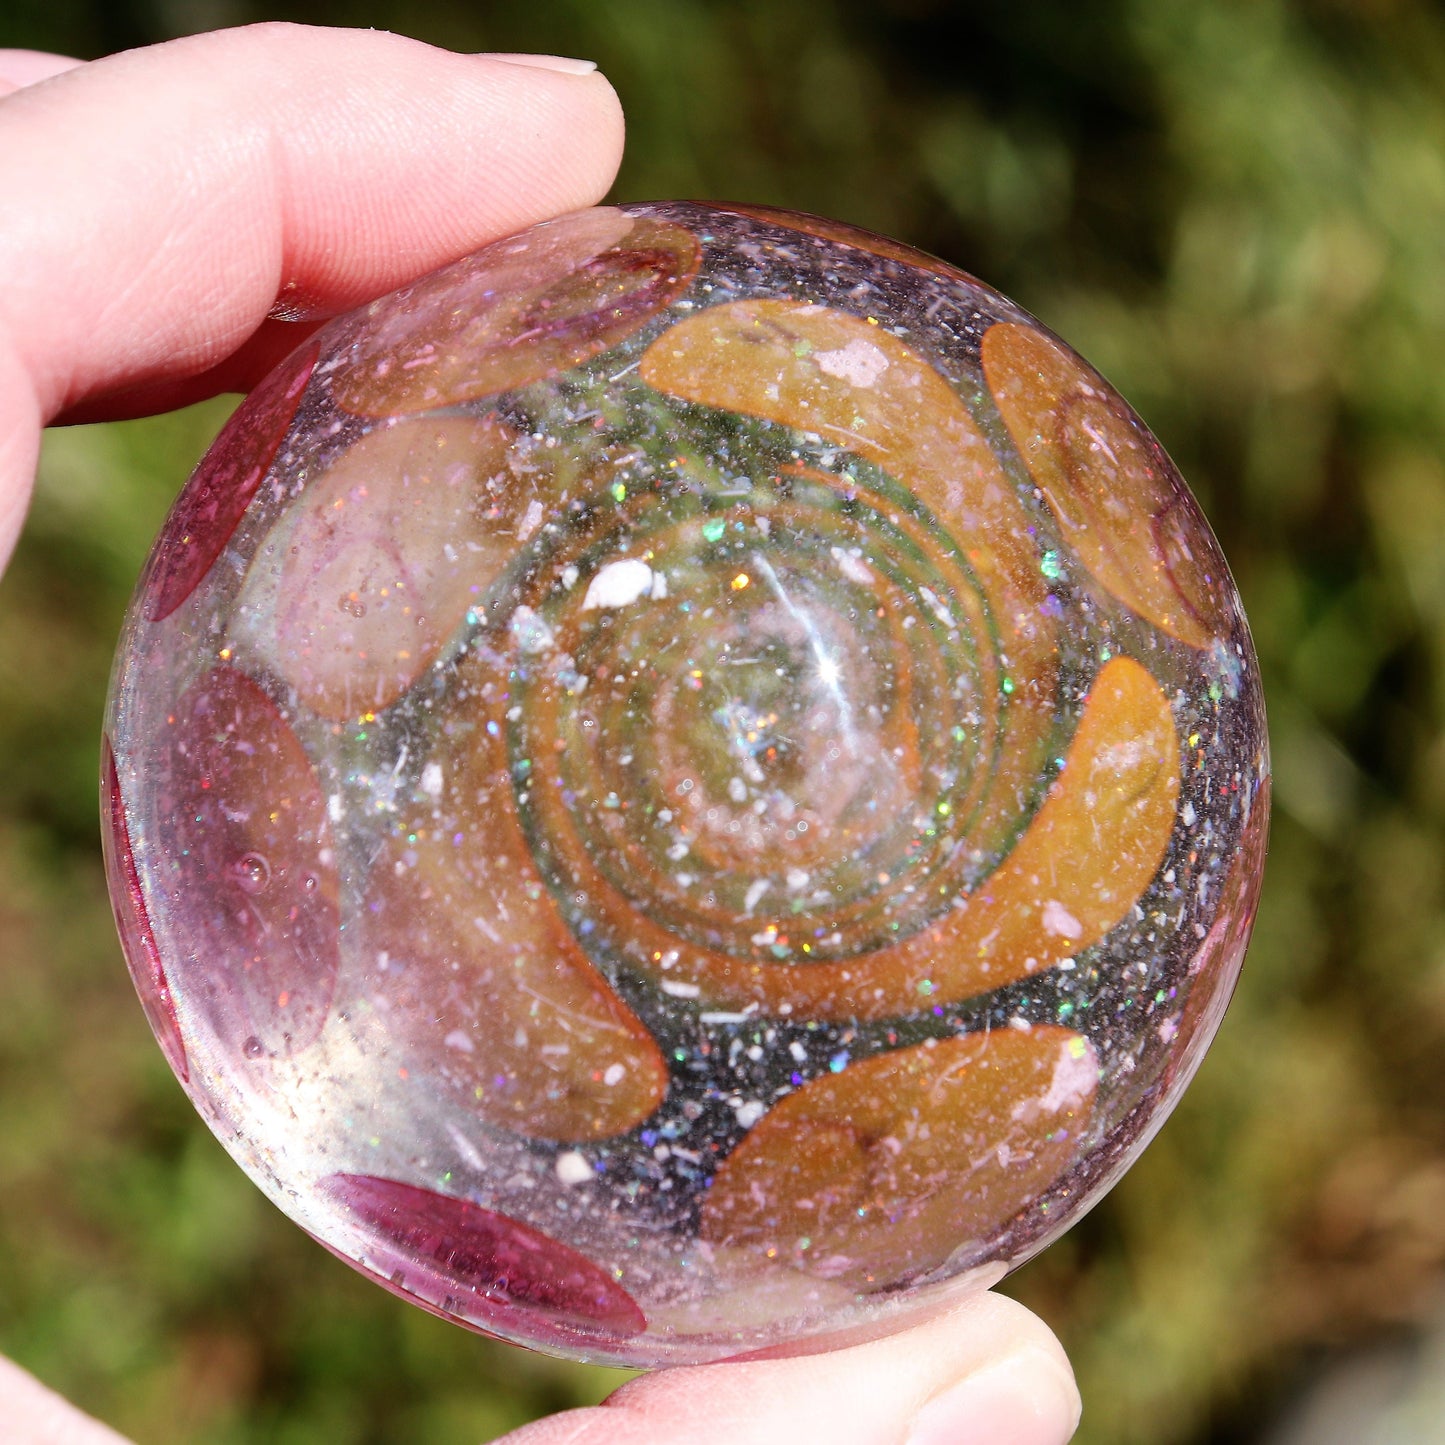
x: 158, y: 207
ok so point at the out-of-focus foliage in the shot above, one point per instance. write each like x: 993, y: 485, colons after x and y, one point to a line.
x: 1234, y: 207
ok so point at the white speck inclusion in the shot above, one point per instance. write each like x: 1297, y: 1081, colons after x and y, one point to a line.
x: 572, y: 1167
x: 621, y: 583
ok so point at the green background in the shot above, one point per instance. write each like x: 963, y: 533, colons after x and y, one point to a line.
x: 1236, y: 209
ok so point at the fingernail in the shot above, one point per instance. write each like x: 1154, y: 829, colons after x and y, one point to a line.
x: 1026, y: 1399
x: 564, y: 64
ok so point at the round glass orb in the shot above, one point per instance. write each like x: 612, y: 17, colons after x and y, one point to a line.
x: 692, y: 782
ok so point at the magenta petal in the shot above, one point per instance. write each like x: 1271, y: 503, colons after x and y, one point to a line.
x: 133, y: 923
x: 220, y: 489
x: 253, y: 885
x: 489, y: 1270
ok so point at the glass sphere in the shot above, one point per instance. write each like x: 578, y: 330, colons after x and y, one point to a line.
x: 692, y: 782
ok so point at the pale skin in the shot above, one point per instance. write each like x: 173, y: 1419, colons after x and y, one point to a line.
x: 157, y: 205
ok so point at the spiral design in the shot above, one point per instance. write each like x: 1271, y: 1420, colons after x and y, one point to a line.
x: 785, y: 760
x: 773, y: 738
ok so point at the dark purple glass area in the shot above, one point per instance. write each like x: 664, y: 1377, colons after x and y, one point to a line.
x: 244, y: 829
x: 220, y: 489
x: 484, y: 1268
x: 128, y: 904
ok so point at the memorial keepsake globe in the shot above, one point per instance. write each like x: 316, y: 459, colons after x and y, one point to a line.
x: 692, y: 782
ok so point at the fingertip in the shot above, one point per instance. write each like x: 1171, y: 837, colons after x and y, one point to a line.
x: 590, y: 115
x: 987, y: 1372
x: 1003, y: 1379
x: 1027, y: 1397
x: 1010, y: 1326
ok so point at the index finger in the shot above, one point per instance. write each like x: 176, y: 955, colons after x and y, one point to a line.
x: 155, y: 205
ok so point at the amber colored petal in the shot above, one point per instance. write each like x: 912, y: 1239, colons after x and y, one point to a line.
x: 380, y: 560
x: 1090, y: 851
x: 520, y: 310
x: 215, y: 499
x: 1115, y: 495
x: 821, y: 370
x: 484, y: 1268
x: 487, y: 987
x: 127, y: 901
x: 862, y: 388
x: 880, y: 1173
x: 431, y: 346
x: 250, y: 879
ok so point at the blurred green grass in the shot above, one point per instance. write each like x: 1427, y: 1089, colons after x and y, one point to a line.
x: 1235, y: 208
